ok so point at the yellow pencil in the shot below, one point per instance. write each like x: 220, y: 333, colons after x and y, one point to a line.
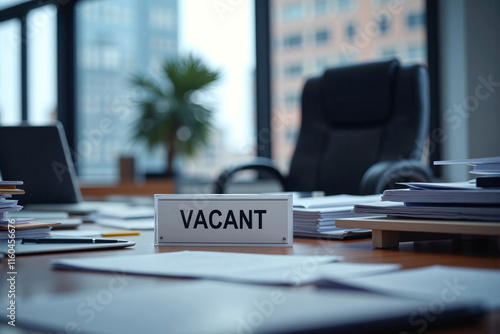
x: 121, y: 233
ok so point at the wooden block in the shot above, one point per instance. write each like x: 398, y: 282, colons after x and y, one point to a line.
x: 422, y: 225
x: 385, y: 239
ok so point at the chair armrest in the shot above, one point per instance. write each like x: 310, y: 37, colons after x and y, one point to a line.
x: 260, y: 164
x: 384, y: 175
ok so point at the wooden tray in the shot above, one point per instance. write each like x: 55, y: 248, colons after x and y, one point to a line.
x: 387, y: 232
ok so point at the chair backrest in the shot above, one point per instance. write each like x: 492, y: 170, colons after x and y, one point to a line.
x: 356, y: 116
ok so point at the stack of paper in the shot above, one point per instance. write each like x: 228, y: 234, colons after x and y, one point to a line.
x: 63, y: 218
x: 126, y: 216
x: 456, y: 200
x: 487, y: 170
x: 462, y: 192
x: 427, y: 283
x: 234, y: 267
x: 481, y: 166
x: 315, y: 216
x: 17, y: 227
x: 428, y: 210
x: 220, y: 307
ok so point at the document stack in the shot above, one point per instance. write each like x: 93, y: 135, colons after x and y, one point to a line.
x: 315, y: 216
x: 487, y: 171
x: 22, y: 227
x: 456, y: 200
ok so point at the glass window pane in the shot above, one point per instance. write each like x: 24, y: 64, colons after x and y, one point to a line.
x: 42, y: 69
x: 117, y: 39
x: 333, y: 33
x: 10, y: 69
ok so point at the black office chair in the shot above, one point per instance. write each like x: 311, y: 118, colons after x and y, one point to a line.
x: 364, y: 128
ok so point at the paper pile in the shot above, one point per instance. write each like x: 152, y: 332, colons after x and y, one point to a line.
x: 455, y: 200
x: 315, y: 216
x: 18, y: 227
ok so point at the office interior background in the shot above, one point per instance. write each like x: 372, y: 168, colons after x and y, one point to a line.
x: 113, y: 39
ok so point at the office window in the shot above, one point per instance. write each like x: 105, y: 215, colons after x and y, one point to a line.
x: 161, y: 18
x: 415, y: 20
x: 108, y: 54
x: 162, y: 44
x: 320, y: 7
x: 367, y: 30
x: 90, y: 57
x: 91, y: 153
x: 10, y: 78
x: 110, y: 57
x: 293, y: 11
x: 90, y: 11
x: 292, y: 41
x: 292, y: 99
x: 293, y: 70
x: 383, y: 25
x: 350, y: 31
x: 321, y: 36
x: 344, y: 5
x: 377, y: 3
x: 41, y: 64
x: 417, y: 53
x: 91, y: 104
x: 388, y: 52
x: 320, y: 65
x: 291, y: 135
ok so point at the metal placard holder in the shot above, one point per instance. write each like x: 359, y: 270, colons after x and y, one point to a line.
x: 223, y: 220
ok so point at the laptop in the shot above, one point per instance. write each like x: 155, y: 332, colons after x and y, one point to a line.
x: 39, y: 156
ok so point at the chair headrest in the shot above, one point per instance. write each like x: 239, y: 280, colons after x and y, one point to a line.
x: 359, y: 94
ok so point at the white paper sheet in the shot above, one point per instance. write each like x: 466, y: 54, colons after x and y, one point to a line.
x: 336, y: 233
x: 477, y: 196
x: 440, y: 285
x: 464, y: 212
x: 251, y: 268
x: 76, y: 233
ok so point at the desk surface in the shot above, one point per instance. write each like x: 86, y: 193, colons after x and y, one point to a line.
x: 35, y: 276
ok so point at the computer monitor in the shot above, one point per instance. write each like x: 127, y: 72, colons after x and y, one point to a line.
x: 40, y: 157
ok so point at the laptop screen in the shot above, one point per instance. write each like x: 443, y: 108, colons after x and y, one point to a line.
x: 40, y: 157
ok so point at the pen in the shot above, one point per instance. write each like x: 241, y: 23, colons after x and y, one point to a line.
x: 70, y: 240
x: 121, y: 233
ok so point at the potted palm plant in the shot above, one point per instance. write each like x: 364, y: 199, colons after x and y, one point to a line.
x: 168, y: 113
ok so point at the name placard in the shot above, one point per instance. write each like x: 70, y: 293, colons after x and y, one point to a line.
x: 227, y: 220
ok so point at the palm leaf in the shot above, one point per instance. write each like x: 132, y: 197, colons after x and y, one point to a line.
x: 166, y: 107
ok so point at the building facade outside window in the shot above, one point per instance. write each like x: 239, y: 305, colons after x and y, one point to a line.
x: 293, y: 70
x: 119, y: 38
x: 362, y: 30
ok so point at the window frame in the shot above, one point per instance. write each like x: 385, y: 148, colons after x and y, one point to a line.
x: 65, y: 44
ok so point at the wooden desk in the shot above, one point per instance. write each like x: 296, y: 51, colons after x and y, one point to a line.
x: 35, y: 277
